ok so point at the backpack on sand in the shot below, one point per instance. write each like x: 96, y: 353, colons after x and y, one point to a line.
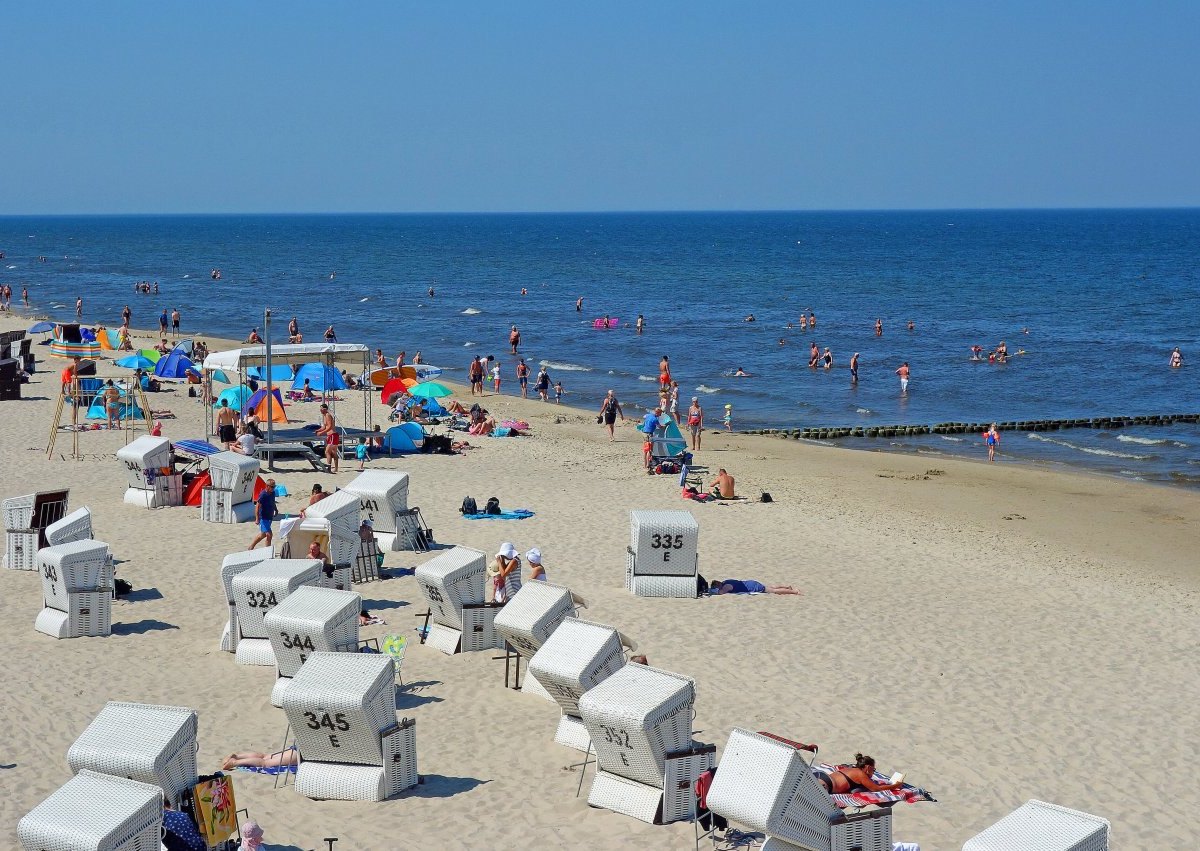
x: 493, y: 506
x: 469, y: 506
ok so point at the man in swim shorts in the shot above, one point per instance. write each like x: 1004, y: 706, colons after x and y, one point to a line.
x: 902, y: 371
x: 722, y: 485
x: 226, y: 424
x: 854, y: 369
x: 523, y: 378
x: 264, y: 514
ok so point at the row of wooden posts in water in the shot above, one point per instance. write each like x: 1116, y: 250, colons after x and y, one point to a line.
x: 834, y: 433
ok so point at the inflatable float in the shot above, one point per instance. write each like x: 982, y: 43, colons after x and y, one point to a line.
x: 599, y: 323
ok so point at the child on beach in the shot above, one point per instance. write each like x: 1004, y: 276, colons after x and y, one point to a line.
x: 496, y: 378
x: 362, y: 453
x: 558, y: 391
x: 728, y: 418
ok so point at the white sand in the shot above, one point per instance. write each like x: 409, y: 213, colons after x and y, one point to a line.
x: 997, y: 632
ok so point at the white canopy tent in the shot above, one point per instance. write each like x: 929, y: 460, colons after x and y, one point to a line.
x: 355, y: 357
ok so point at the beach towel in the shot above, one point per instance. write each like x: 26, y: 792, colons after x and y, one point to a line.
x: 272, y: 771
x: 514, y: 514
x: 907, y: 793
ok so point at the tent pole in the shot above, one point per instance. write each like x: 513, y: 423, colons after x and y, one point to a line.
x: 270, y: 391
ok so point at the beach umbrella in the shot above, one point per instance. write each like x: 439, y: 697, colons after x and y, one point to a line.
x: 431, y: 390
x: 134, y: 362
x: 152, y: 355
x: 42, y: 328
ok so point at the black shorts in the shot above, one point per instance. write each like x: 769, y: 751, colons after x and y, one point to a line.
x: 227, y: 433
x: 610, y: 418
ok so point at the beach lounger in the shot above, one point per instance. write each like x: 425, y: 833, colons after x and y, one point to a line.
x: 765, y: 784
x: 342, y: 708
x: 577, y: 656
x: 310, y: 619
x: 267, y: 451
x: 1039, y: 826
x: 662, y: 558
x: 26, y: 519
x: 526, y: 621
x: 640, y: 723
x: 144, y: 460
x: 151, y: 744
x: 95, y: 812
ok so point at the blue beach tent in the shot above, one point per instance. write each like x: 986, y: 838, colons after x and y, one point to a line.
x: 279, y: 372
x: 397, y: 441
x: 322, y: 378
x: 236, y: 396
x: 175, y: 364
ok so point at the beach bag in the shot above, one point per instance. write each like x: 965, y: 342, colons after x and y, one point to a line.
x: 701, y: 585
x: 493, y: 506
x: 499, y: 595
x: 469, y: 506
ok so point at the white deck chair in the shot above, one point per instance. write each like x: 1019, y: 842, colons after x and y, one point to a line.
x: 577, y: 656
x: 382, y: 495
x: 342, y: 709
x: 1038, y: 826
x: 766, y: 785
x: 142, y: 459
x: 233, y: 476
x: 640, y: 723
x: 76, y: 526
x: 26, y: 519
x: 231, y: 566
x: 663, y: 554
x: 152, y: 744
x: 95, y: 812
x: 257, y: 590
x: 309, y: 620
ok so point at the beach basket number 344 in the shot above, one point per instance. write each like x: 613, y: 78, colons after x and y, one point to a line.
x: 666, y: 543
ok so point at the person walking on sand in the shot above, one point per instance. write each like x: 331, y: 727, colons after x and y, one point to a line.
x: 854, y: 369
x: 610, y: 409
x: 78, y: 304
x: 523, y: 378
x: 695, y: 422
x: 264, y: 514
x: 514, y: 339
x: 542, y: 385
x: 162, y: 323
x: 992, y: 438
x: 902, y: 371
x: 175, y: 321
x: 558, y: 391
x: 475, y: 373
x: 126, y: 314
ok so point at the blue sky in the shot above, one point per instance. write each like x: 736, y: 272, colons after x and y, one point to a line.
x: 521, y: 106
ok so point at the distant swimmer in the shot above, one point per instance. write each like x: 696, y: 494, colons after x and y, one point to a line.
x: 827, y: 358
x: 1024, y: 330
x: 911, y: 326
x: 977, y: 353
x: 1002, y: 352
x: 854, y: 369
x: 812, y: 319
x: 803, y: 322
x: 782, y: 341
x: 641, y: 323
x: 156, y: 287
x: 524, y: 291
x: 741, y: 373
x: 431, y: 292
x: 903, y: 372
x: 749, y: 318
x: 814, y: 355
x: 514, y: 339
x: 878, y: 327
x: 215, y: 274
x: 1176, y: 358
x: 579, y: 305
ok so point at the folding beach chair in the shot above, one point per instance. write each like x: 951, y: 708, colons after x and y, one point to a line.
x: 395, y: 646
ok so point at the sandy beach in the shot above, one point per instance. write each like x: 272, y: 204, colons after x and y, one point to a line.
x: 997, y: 632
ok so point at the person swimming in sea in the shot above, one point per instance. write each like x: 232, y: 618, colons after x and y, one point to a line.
x: 741, y: 373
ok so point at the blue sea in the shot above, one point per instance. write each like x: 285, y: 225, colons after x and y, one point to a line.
x: 1095, y: 300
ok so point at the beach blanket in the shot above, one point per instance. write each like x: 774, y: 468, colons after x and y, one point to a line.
x: 515, y: 514
x: 907, y: 793
x: 286, y: 769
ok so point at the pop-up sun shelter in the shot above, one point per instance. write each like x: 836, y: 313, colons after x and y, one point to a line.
x: 321, y: 378
x: 352, y: 356
x: 258, y: 404
x: 174, y: 364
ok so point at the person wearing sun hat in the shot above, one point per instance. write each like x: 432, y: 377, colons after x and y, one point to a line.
x: 505, y: 571
x: 536, y: 570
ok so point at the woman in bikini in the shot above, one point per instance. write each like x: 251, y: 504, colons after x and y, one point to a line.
x: 854, y: 778
x: 258, y: 759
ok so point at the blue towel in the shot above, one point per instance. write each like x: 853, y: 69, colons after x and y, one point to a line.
x: 515, y: 514
x: 291, y: 769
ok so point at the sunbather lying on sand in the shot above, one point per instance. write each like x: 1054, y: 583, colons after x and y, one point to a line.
x: 257, y: 759
x: 749, y: 586
x: 849, y: 778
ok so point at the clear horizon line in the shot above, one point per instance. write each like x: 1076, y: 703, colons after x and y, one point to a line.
x: 613, y: 212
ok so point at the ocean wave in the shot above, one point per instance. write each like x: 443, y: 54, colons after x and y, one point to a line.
x: 1088, y: 450
x: 704, y: 388
x: 469, y: 343
x: 863, y: 411
x: 565, y: 367
x: 10, y: 267
x: 647, y: 378
x: 1144, y: 441
x: 471, y: 311
x: 951, y: 439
